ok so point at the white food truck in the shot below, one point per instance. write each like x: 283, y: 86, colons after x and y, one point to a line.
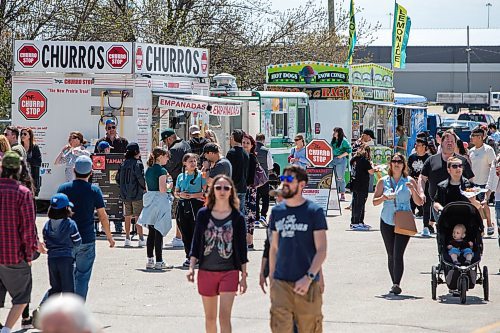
x: 59, y: 87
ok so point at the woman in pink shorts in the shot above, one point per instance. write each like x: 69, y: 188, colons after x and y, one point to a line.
x: 219, y: 247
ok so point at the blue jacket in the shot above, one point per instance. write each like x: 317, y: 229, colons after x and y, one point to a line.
x: 60, y: 237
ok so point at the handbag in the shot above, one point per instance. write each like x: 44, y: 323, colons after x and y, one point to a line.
x: 404, y: 221
x: 260, y: 177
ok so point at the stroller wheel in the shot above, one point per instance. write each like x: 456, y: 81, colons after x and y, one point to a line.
x: 463, y: 290
x: 434, y: 282
x: 486, y: 286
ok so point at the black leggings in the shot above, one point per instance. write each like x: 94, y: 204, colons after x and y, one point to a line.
x: 154, y: 244
x: 358, y: 207
x: 186, y: 216
x: 395, y: 245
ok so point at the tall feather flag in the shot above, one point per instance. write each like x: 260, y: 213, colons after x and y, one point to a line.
x: 400, y: 35
x: 352, y: 34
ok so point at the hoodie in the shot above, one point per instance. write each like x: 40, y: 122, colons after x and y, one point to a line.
x: 60, y: 237
x: 197, y: 145
x: 130, y: 177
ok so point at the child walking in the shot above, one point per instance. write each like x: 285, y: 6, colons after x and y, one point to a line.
x: 61, y: 235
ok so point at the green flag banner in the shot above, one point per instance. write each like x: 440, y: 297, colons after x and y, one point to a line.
x: 352, y: 34
x: 400, y: 34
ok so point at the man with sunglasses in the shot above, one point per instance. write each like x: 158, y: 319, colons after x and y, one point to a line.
x: 298, y: 250
x: 482, y: 158
x: 118, y: 143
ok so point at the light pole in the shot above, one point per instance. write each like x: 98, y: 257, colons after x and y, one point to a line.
x: 488, y: 5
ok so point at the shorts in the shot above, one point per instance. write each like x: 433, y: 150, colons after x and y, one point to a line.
x: 132, y: 208
x: 16, y: 280
x: 457, y: 251
x: 213, y: 283
x: 481, y: 196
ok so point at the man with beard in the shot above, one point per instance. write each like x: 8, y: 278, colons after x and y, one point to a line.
x: 435, y: 168
x: 298, y: 250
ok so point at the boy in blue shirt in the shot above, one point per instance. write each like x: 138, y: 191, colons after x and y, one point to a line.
x: 61, y: 235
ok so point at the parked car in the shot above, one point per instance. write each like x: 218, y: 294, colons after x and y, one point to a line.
x: 484, y: 118
x: 462, y: 128
x: 433, y: 122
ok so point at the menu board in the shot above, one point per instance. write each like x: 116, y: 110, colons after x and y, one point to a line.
x: 104, y: 170
x: 322, y: 189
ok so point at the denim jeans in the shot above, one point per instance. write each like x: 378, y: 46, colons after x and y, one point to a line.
x: 242, y: 197
x: 339, y: 166
x: 497, y: 214
x: 84, y: 256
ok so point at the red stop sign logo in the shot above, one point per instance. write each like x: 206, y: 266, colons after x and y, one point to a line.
x: 138, y: 57
x: 117, y: 56
x: 28, y: 55
x: 319, y: 153
x: 32, y: 104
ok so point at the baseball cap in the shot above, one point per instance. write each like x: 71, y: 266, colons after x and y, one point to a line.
x: 110, y: 121
x: 194, y: 129
x: 60, y: 201
x: 11, y: 160
x: 103, y: 145
x: 211, y: 148
x: 167, y: 133
x: 133, y: 146
x: 369, y: 132
x: 83, y: 165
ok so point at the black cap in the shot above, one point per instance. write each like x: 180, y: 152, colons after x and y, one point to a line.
x: 369, y: 132
x: 211, y: 148
x: 133, y: 147
x: 167, y: 133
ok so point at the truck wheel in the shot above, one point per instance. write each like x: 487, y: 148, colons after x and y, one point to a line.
x: 450, y: 109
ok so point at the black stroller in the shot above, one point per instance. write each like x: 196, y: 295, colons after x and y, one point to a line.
x: 461, y: 278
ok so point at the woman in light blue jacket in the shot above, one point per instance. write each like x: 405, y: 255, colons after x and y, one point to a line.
x: 298, y: 153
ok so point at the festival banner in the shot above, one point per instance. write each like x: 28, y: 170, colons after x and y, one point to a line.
x: 372, y: 75
x: 352, y: 33
x: 307, y: 72
x: 400, y: 31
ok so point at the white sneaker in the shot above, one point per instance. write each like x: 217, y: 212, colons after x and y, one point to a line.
x: 151, y: 263
x: 177, y: 242
x: 142, y: 243
x: 128, y: 242
x: 163, y: 265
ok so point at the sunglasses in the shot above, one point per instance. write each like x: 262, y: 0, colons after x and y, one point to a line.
x: 111, y: 127
x: 456, y: 166
x: 287, y: 179
x: 24, y: 134
x: 226, y: 188
x: 397, y: 161
x: 297, y: 140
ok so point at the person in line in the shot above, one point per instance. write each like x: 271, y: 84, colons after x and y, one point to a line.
x: 197, y: 142
x: 177, y: 148
x: 156, y: 214
x: 402, y: 142
x: 298, y: 250
x: 249, y: 145
x: 33, y: 157
x: 219, y: 248
x: 190, y: 190
x: 130, y: 177
x: 461, y: 149
x: 61, y: 235
x: 12, y: 134
x: 361, y: 169
x: 341, y: 151
x: 87, y: 199
x: 298, y: 153
x: 4, y: 145
x: 394, y: 192
x: 70, y: 152
x: 483, y: 159
x: 493, y: 133
x: 239, y: 160
x: 435, y: 167
x: 104, y: 147
x: 215, y: 163
x: 118, y: 143
x: 266, y: 161
x: 415, y: 165
x: 211, y: 136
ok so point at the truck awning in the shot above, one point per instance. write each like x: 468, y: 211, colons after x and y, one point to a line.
x: 391, y: 105
x: 198, y: 103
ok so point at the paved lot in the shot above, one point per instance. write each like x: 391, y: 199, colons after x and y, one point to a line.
x: 126, y: 298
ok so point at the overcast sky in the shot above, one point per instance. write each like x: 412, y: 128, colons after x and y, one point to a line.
x: 423, y: 13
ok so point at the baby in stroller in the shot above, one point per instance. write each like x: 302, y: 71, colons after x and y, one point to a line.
x: 458, y: 246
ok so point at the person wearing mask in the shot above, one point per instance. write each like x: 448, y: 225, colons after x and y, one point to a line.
x: 12, y: 135
x: 190, y: 190
x: 177, y: 148
x: 341, y: 151
x: 402, y: 140
x: 33, y: 156
x: 265, y: 159
x: 70, y: 152
x: 219, y: 248
x: 215, y: 163
x: 248, y: 145
x: 197, y: 142
x: 156, y: 214
x: 394, y: 192
x: 118, y: 143
x: 482, y: 159
x: 298, y: 153
x: 239, y: 160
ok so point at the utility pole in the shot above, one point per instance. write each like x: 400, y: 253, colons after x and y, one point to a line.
x: 468, y: 50
x: 488, y: 5
x: 331, y: 15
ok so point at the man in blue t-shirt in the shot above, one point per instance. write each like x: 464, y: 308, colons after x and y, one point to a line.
x: 86, y: 198
x: 298, y: 249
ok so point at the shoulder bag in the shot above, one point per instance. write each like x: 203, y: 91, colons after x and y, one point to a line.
x: 404, y: 221
x: 260, y: 177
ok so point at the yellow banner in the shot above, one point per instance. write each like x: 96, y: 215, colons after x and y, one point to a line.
x: 398, y: 34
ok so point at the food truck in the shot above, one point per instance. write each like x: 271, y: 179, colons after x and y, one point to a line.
x: 59, y: 87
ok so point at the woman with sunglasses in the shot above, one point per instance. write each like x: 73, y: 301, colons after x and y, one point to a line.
x: 33, y: 156
x: 190, y: 190
x: 394, y: 192
x: 220, y: 249
x: 248, y: 144
x: 341, y: 151
x: 70, y: 152
x: 298, y: 153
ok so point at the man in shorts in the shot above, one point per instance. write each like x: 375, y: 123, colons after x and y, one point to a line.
x: 18, y: 239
